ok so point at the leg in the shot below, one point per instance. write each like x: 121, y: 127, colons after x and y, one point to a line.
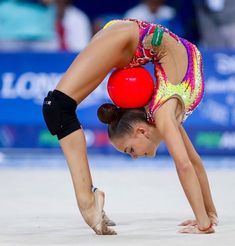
x: 90, y: 204
x: 78, y: 166
x: 201, y: 173
x: 60, y: 117
x: 107, y: 50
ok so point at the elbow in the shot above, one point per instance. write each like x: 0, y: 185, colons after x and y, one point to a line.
x: 184, y: 166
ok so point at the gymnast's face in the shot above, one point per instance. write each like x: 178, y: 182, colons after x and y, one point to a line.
x: 143, y: 141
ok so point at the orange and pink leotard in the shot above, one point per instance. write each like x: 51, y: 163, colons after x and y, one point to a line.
x: 189, y: 91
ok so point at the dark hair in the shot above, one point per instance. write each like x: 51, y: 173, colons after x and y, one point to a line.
x: 120, y: 120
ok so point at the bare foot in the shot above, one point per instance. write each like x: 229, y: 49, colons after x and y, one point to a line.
x: 107, y: 220
x: 94, y: 215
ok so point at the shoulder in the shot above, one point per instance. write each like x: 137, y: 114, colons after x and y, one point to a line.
x: 167, y: 112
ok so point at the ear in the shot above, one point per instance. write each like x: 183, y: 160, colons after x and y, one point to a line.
x: 141, y: 129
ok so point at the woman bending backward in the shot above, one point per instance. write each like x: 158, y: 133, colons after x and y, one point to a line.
x: 138, y: 132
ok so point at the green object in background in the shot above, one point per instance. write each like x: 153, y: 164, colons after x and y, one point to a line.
x: 208, y: 139
x: 46, y: 139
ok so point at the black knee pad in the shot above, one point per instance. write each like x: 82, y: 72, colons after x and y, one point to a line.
x: 59, y: 111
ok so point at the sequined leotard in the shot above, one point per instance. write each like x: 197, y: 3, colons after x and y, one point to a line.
x: 189, y: 91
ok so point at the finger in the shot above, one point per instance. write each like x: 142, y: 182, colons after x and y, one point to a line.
x: 188, y: 222
x: 214, y: 220
x: 190, y: 230
x: 187, y: 229
x: 193, y: 223
x: 184, y: 223
x: 195, y: 230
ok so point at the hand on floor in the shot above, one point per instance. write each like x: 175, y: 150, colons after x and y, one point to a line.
x: 193, y: 229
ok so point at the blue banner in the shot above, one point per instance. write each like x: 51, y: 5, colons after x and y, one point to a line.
x: 26, y: 78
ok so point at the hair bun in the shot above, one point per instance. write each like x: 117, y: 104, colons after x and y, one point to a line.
x: 107, y: 113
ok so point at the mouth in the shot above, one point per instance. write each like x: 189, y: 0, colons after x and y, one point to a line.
x: 144, y: 155
x: 139, y: 156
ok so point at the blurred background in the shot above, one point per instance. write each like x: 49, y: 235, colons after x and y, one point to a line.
x: 40, y: 38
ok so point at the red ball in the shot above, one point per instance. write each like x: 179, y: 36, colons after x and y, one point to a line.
x: 131, y: 87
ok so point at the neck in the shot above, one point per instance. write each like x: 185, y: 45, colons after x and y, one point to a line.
x: 155, y: 135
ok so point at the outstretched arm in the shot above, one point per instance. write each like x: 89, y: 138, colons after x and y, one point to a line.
x: 168, y: 127
x: 202, y: 177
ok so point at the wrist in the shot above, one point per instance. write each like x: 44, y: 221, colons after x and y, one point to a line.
x: 205, y: 229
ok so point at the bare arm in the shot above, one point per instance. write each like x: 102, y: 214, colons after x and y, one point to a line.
x: 169, y: 129
x: 202, y: 177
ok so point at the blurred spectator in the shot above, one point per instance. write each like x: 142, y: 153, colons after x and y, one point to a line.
x: 186, y: 13
x: 156, y: 11
x: 216, y: 20
x: 27, y: 25
x: 73, y: 26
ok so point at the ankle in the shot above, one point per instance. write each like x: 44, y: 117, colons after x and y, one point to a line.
x: 204, y: 225
x: 87, y: 202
